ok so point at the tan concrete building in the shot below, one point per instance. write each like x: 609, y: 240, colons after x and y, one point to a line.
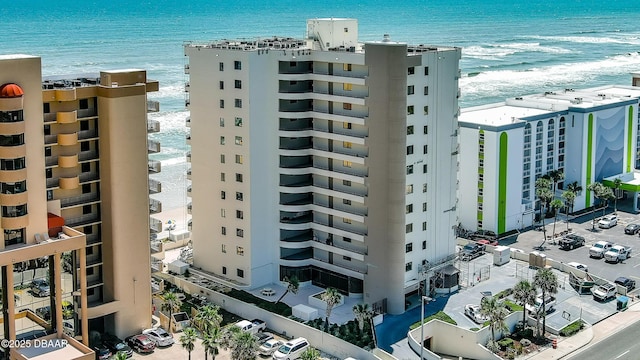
x: 324, y: 158
x: 75, y: 202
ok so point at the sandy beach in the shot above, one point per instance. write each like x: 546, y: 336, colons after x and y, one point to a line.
x: 179, y: 215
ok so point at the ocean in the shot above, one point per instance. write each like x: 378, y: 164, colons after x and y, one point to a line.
x: 509, y: 48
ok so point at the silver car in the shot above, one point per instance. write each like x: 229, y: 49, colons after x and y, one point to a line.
x: 269, y: 347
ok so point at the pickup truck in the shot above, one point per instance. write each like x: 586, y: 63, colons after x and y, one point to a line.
x: 604, y: 292
x: 252, y: 327
x: 571, y: 241
x: 598, y: 249
x: 548, y: 305
x: 471, y: 251
x: 617, y: 253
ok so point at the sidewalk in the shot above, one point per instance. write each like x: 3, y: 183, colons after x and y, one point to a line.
x: 592, y: 334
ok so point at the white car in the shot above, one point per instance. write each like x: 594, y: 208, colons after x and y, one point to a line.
x: 473, y: 311
x: 269, y: 347
x: 578, y: 266
x: 608, y: 221
x: 160, y: 337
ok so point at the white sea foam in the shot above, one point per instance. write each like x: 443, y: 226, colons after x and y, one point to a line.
x: 627, y: 40
x: 170, y: 120
x: 497, y: 51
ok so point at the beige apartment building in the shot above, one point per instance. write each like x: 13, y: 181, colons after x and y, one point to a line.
x: 325, y: 158
x: 75, y: 204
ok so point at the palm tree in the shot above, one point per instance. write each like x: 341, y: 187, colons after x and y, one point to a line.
x: 210, y: 341
x: 525, y: 294
x: 544, y: 194
x: 547, y: 282
x: 496, y: 311
x: 243, y: 346
x: 331, y: 296
x: 120, y: 355
x: 616, y: 185
x: 292, y: 286
x: 575, y: 187
x: 207, y: 318
x: 188, y: 340
x: 569, y: 198
x: 170, y: 304
x: 555, y: 206
x: 310, y: 354
x: 556, y: 176
x: 598, y: 192
x: 362, y: 313
x: 227, y: 336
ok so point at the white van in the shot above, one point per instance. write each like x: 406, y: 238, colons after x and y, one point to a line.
x: 291, y: 350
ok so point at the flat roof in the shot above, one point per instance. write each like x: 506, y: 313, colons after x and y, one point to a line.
x: 498, y: 114
x: 17, y: 56
x: 55, y: 349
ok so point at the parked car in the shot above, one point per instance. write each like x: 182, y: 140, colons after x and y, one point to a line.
x: 291, y: 350
x: 473, y: 312
x: 116, y: 345
x: 578, y: 266
x: 626, y: 282
x: 617, y: 253
x: 571, y: 241
x: 44, y: 313
x: 40, y: 288
x: 269, y: 347
x: 599, y: 248
x: 141, y: 343
x: 485, y: 242
x: 549, y: 304
x: 253, y: 327
x: 160, y: 337
x: 632, y: 229
x: 102, y: 353
x: 68, y: 328
x: 604, y: 292
x: 263, y: 337
x: 608, y: 222
x: 471, y: 251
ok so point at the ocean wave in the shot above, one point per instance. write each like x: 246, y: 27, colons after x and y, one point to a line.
x: 626, y: 40
x: 173, y: 90
x: 170, y: 120
x: 498, y: 51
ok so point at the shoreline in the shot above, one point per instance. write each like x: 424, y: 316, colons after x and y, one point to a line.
x: 178, y: 214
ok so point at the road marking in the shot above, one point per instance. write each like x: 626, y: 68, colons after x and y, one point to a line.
x: 621, y: 355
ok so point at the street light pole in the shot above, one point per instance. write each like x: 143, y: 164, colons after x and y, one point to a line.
x: 422, y: 299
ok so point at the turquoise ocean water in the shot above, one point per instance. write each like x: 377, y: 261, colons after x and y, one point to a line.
x: 509, y: 48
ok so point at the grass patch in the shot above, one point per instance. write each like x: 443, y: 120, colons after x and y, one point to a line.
x: 513, y: 307
x: 279, y: 308
x: 440, y: 315
x: 572, y: 328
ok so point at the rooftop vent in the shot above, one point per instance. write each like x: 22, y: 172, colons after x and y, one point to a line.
x: 386, y: 38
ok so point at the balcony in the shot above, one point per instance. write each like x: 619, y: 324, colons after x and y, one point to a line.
x: 68, y: 161
x: 296, y: 162
x: 188, y: 122
x: 295, y: 105
x: 296, y: 180
x: 88, y: 155
x: 189, y: 190
x: 79, y: 200
x: 68, y: 139
x: 187, y: 86
x: 296, y: 124
x: 155, y: 206
x: 296, y: 143
x: 188, y: 138
x: 295, y: 87
x: 189, y: 208
x: 189, y: 174
x: 153, y: 126
x: 355, y: 228
x: 69, y: 183
x: 66, y: 117
x: 155, y: 225
x: 296, y: 199
x: 153, y: 147
x: 82, y: 220
x: 153, y: 106
x: 188, y: 156
x: 154, y: 166
x: 156, y: 247
x: 295, y: 236
x: 338, y: 267
x: 155, y: 186
x: 296, y: 218
x: 186, y: 69
x: 88, y: 134
x: 362, y: 250
x: 89, y: 176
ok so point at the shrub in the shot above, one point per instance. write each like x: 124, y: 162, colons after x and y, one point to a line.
x: 279, y: 308
x: 474, y: 329
x: 513, y: 307
x: 505, y: 343
x: 440, y: 315
x: 525, y: 342
x: 572, y: 328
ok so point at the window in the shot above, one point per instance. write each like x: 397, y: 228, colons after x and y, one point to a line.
x: 239, y: 250
x: 238, y: 122
x: 239, y: 159
x: 346, y: 221
x: 346, y: 125
x: 222, y: 177
x: 47, y: 151
x: 346, y: 144
x: 409, y: 149
x: 238, y: 84
x: 85, y: 167
x: 426, y: 90
x: 408, y: 266
x: 409, y: 169
x: 238, y: 177
x: 223, y: 195
x: 346, y: 239
x: 424, y: 206
x: 238, y: 103
x: 410, y: 130
x: 425, y: 129
x: 424, y: 168
x: 239, y: 233
x: 239, y: 196
x: 347, y: 87
x: 425, y: 149
x: 346, y: 106
x: 84, y: 125
x: 408, y: 228
x: 409, y: 209
x: 408, y: 248
x: 240, y: 273
x: 410, y: 189
x: 424, y: 187
x: 221, y: 85
x: 83, y: 104
x: 222, y: 159
x: 346, y: 29
x: 346, y: 163
x: 49, y: 173
x: 238, y: 140
x: 346, y: 182
x: 346, y: 201
x: 237, y: 65
x: 411, y: 70
x: 426, y: 71
x: 346, y: 258
x: 224, y: 270
x: 424, y: 226
x: 223, y: 230
x: 426, y: 109
x: 46, y: 108
x: 47, y: 129
x: 346, y: 67
x: 224, y: 249
x: 86, y: 188
x: 221, y: 65
x: 239, y: 214
x: 410, y: 90
x: 221, y: 122
x: 424, y: 245
x: 221, y: 104
x: 223, y: 213
x: 410, y: 110
x: 293, y: 64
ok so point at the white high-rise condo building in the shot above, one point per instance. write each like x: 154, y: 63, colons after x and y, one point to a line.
x: 327, y: 159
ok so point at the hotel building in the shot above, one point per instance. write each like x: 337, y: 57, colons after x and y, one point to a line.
x: 75, y: 204
x: 590, y: 135
x: 324, y: 158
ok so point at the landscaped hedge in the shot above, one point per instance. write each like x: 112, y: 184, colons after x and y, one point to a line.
x: 440, y: 315
x: 572, y: 328
x: 513, y: 307
x: 279, y: 308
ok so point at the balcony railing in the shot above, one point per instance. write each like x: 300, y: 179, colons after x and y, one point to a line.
x: 87, y: 134
x: 153, y: 147
x: 153, y: 106
x: 154, y: 166
x: 155, y: 186
x: 80, y: 199
x: 155, y: 206
x: 155, y: 225
x: 153, y: 126
x: 87, y: 155
x: 343, y: 246
x: 361, y: 270
x: 82, y: 220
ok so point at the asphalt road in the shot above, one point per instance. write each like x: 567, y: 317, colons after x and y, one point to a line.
x: 622, y: 345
